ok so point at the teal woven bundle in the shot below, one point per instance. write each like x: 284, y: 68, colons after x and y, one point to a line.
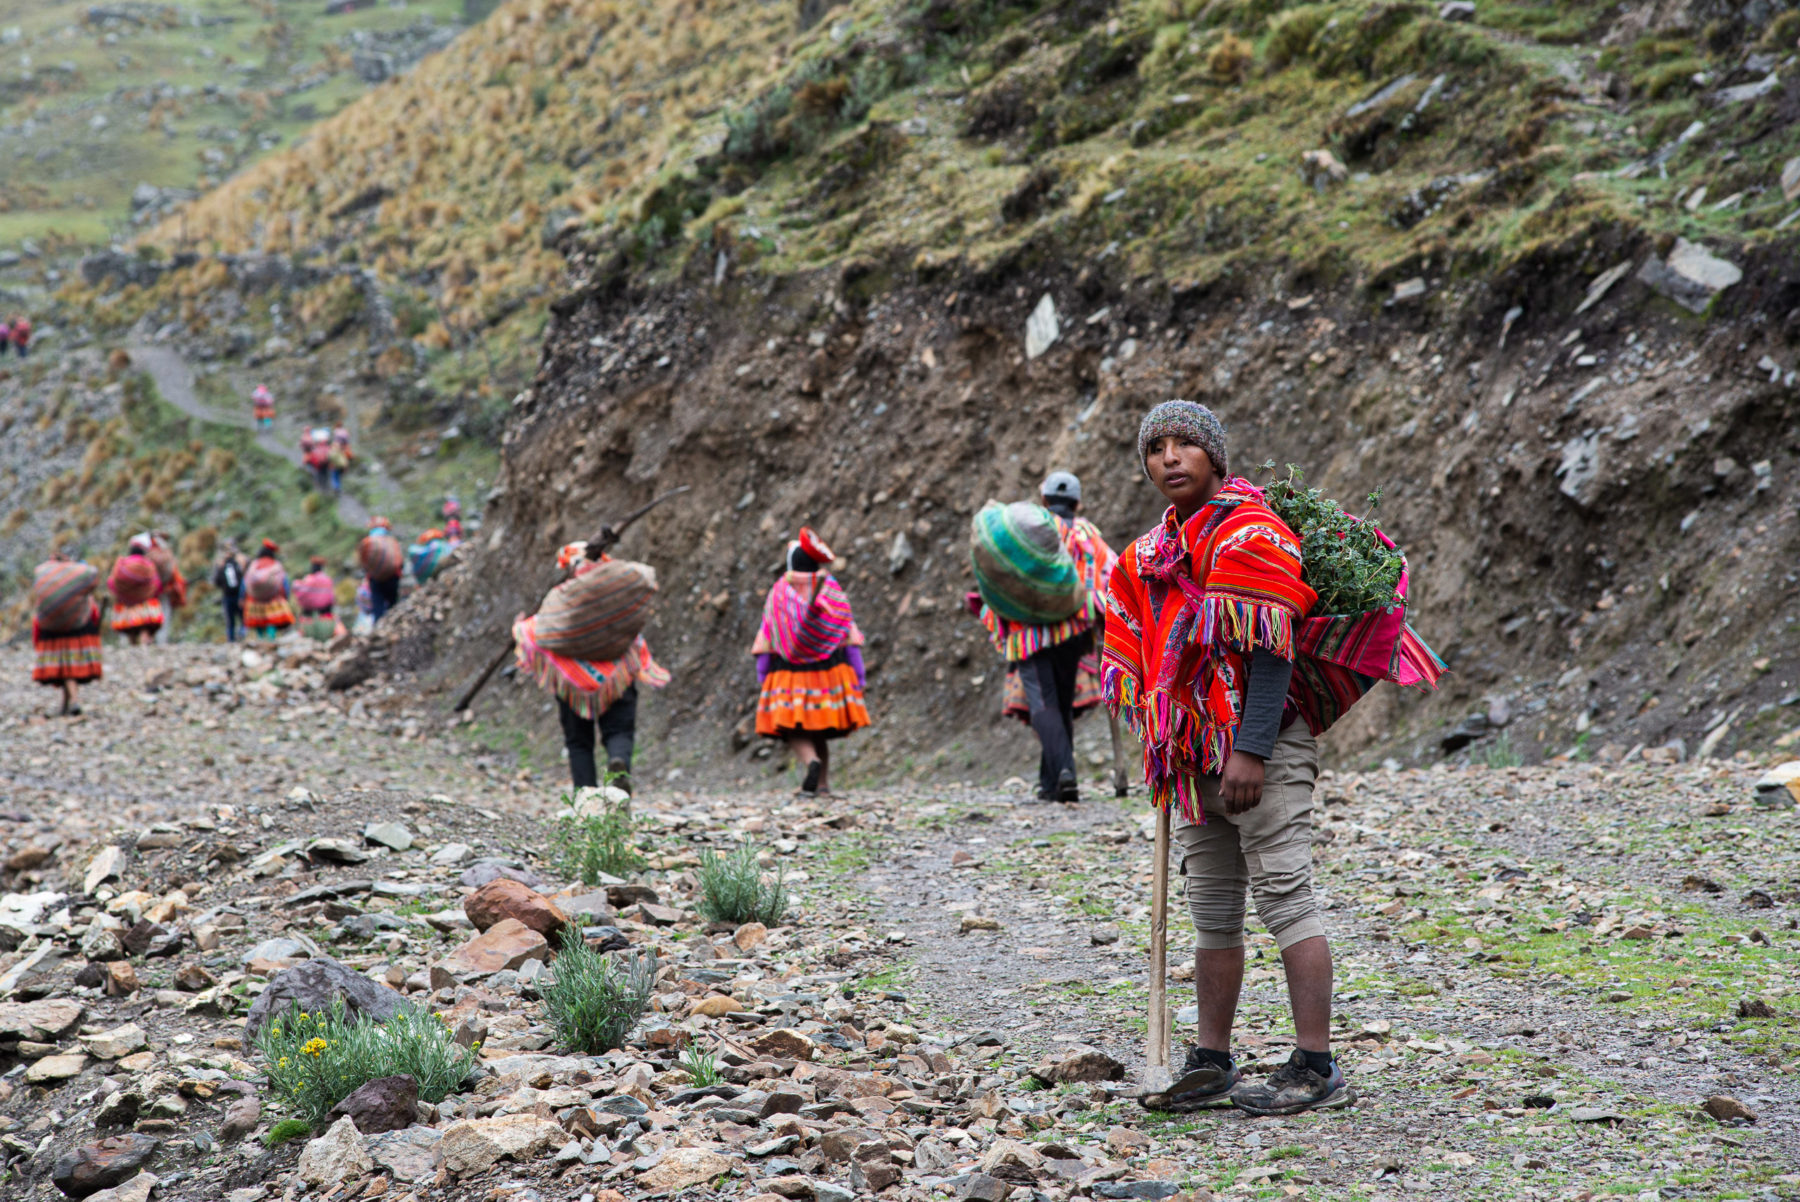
x: 1024, y: 572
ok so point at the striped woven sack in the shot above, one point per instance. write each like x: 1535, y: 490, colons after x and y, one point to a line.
x: 164, y: 559
x: 599, y: 613
x: 381, y: 556
x: 1022, y: 569
x: 314, y: 591
x: 133, y: 580
x: 60, y: 595
x: 266, y: 579
x: 426, y: 558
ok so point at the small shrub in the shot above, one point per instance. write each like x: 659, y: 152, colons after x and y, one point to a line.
x: 732, y: 888
x: 701, y: 1067
x: 594, y: 1000
x: 285, y: 1130
x: 314, y: 1061
x: 1230, y: 60
x: 1291, y: 35
x: 589, y: 845
x: 1500, y: 753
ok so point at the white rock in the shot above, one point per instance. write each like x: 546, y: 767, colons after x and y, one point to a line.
x: 472, y: 1145
x: 389, y: 834
x: 120, y: 1041
x: 1691, y: 276
x: 24, y: 910
x: 105, y: 867
x: 136, y: 1189
x: 1041, y: 329
x: 451, y: 854
x: 341, y: 1152
x: 1790, y: 178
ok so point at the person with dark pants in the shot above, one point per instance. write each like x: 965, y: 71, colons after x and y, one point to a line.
x: 382, y: 559
x: 618, y: 735
x: 383, y: 596
x: 228, y: 578
x: 1052, y: 672
x: 1049, y: 680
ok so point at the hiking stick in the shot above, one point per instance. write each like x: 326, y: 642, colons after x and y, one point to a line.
x: 599, y: 544
x: 1157, y: 1077
x: 1120, y: 784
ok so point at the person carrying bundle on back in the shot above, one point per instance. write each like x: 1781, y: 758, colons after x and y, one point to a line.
x: 426, y: 555
x: 809, y: 662
x: 382, y: 559
x: 585, y: 647
x: 316, y: 595
x: 174, y: 584
x: 65, y: 627
x: 1052, y: 685
x: 262, y: 407
x: 136, y: 588
x: 1212, y: 658
x: 453, y: 527
x: 266, y: 609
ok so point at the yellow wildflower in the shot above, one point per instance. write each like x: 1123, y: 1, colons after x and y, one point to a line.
x: 313, y: 1047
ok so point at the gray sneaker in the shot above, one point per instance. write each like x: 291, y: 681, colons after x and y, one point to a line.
x: 1293, y: 1088
x: 1202, y: 1085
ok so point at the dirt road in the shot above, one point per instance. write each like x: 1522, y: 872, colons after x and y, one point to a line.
x: 1540, y: 971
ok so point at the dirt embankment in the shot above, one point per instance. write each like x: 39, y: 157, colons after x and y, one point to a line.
x: 1598, y: 508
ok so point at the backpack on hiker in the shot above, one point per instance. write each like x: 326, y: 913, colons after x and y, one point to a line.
x: 381, y: 555
x: 61, y: 595
x: 1022, y: 568
x: 266, y: 580
x: 597, y: 614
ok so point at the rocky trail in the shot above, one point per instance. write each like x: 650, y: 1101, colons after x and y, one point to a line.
x: 174, y: 381
x: 1544, y: 973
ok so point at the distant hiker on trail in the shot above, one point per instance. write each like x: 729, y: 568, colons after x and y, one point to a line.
x: 426, y: 555
x: 65, y: 627
x: 262, y: 407
x: 382, y: 559
x: 267, y: 611
x: 316, y: 454
x: 453, y: 527
x: 136, y: 586
x: 337, y: 460
x: 605, y: 610
x: 228, y: 578
x: 21, y: 335
x: 316, y: 595
x: 809, y: 659
x: 1052, y: 670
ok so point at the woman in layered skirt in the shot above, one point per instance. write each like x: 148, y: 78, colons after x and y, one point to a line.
x: 809, y: 659
x: 136, y: 587
x: 272, y: 614
x: 65, y: 629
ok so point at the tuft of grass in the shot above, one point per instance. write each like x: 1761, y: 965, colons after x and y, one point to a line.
x: 702, y: 1067
x: 316, y: 1060
x: 732, y: 888
x: 586, y: 845
x: 595, y: 1000
x: 1501, y: 754
x: 285, y: 1130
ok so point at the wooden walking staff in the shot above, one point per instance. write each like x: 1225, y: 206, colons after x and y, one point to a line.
x: 1157, y: 1077
x: 598, y: 544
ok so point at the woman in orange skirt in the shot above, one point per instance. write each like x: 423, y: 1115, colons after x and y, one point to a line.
x: 266, y: 590
x: 136, y: 587
x: 65, y: 628
x: 809, y: 659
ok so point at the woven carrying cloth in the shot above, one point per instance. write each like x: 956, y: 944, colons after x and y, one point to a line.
x: 597, y: 614
x: 133, y: 581
x: 380, y: 555
x: 1093, y: 561
x: 588, y: 686
x: 805, y: 618
x: 1022, y: 569
x: 266, y: 580
x: 1189, y: 602
x: 315, y: 592
x: 62, y: 593
x: 69, y: 655
x: 426, y: 558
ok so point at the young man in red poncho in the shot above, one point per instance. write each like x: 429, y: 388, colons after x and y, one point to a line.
x: 1198, y: 654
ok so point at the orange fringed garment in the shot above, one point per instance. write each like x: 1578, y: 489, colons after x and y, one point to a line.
x: 1186, y: 605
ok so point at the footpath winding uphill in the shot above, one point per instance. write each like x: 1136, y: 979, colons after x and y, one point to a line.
x: 1559, y: 982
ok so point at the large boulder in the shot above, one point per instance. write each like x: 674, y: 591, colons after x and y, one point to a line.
x: 503, y: 898
x: 384, y: 1104
x: 102, y: 1165
x: 315, y: 985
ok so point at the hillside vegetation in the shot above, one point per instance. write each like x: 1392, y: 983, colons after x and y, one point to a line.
x: 1167, y: 134
x: 112, y: 115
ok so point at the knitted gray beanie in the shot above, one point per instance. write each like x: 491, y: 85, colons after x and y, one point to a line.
x: 1185, y: 419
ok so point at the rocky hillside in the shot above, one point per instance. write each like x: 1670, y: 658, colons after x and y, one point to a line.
x: 1525, y: 268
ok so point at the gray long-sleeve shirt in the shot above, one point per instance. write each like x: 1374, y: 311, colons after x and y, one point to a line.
x: 1264, y: 698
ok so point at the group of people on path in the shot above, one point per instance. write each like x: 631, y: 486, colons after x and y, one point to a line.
x: 327, y: 455
x: 15, y: 333
x: 1191, y: 636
